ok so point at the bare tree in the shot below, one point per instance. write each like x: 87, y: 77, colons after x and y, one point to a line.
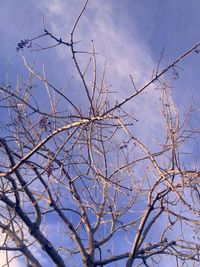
x: 108, y: 197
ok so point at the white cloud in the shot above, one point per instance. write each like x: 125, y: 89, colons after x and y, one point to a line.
x: 117, y: 42
x: 120, y: 46
x: 14, y: 262
x: 54, y: 7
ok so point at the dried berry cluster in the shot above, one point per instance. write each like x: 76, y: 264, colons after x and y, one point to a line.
x: 23, y: 43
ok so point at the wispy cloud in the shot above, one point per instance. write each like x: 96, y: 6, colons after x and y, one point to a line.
x: 121, y: 47
x: 117, y: 42
x: 3, y: 255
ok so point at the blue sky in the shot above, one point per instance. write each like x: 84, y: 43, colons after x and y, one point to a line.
x: 136, y: 30
x: 128, y: 34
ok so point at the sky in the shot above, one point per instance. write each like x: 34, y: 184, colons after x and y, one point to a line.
x: 128, y: 34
